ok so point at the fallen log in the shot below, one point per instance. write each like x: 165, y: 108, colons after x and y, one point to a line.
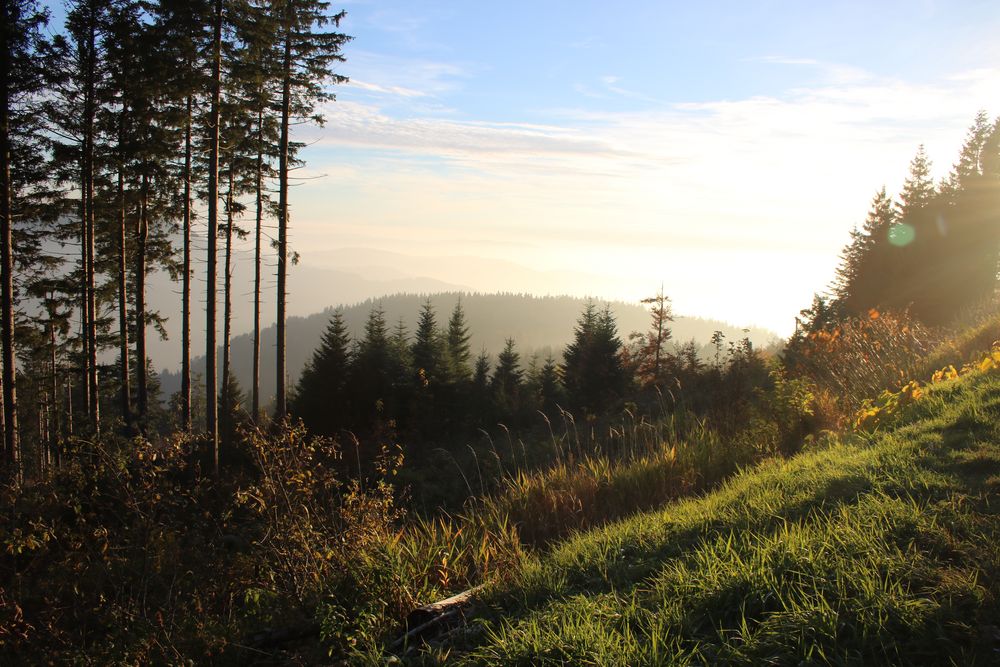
x: 432, y: 620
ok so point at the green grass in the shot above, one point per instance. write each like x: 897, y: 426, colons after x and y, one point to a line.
x: 975, y: 335
x: 858, y: 551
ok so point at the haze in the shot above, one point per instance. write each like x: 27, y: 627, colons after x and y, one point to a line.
x: 565, y: 148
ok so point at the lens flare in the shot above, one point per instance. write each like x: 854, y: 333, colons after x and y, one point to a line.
x: 902, y: 234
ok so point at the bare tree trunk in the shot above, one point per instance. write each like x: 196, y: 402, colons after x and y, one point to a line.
x: 211, y: 402
x: 286, y: 90
x: 227, y: 310
x: 141, y: 237
x: 84, y: 311
x: 93, y: 405
x: 3, y: 420
x: 93, y: 387
x: 69, y: 406
x: 123, y: 344
x: 54, y: 394
x: 10, y: 439
x: 186, y: 281
x: 84, y: 292
x: 41, y: 435
x: 259, y: 185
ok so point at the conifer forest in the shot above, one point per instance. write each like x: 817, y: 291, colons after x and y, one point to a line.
x: 412, y: 496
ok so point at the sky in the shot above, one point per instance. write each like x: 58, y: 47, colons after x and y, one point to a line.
x: 724, y: 150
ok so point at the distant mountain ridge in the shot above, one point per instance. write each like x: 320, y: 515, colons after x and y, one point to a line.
x: 538, y: 324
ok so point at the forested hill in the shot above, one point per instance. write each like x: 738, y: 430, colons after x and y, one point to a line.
x: 537, y: 324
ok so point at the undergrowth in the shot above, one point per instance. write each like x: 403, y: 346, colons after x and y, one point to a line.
x: 861, y: 550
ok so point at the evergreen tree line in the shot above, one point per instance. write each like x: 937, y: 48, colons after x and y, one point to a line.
x: 134, y: 124
x: 934, y: 250
x: 428, y: 388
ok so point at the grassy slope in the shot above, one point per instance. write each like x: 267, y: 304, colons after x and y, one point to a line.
x: 859, y: 552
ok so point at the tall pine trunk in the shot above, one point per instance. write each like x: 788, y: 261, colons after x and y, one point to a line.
x: 227, y: 310
x: 141, y: 238
x: 125, y: 397
x: 54, y: 395
x: 87, y: 195
x: 211, y: 397
x: 286, y: 90
x: 9, y: 395
x: 186, y: 280
x: 259, y: 195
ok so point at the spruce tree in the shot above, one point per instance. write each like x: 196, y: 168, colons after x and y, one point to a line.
x: 652, y: 355
x: 506, y: 382
x: 551, y: 394
x: 458, y: 338
x: 593, y: 370
x: 20, y: 82
x: 428, y: 351
x: 862, y: 281
x: 966, y: 263
x: 372, y: 372
x: 480, y: 400
x: 213, y: 129
x: 257, y: 77
x: 183, y: 25
x: 321, y: 395
x: 307, y: 56
x: 76, y: 74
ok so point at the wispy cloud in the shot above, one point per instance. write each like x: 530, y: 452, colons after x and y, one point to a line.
x: 476, y: 144
x: 399, y: 91
x: 429, y: 77
x: 733, y: 194
x: 838, y: 73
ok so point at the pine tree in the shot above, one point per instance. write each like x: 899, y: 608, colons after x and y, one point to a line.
x: 307, y: 58
x: 966, y: 172
x: 480, y: 391
x: 918, y: 188
x: 232, y: 409
x: 593, y: 372
x: 935, y: 252
x: 213, y: 129
x: 76, y: 74
x: 551, y: 394
x: 233, y: 208
x: 862, y: 281
x: 506, y: 382
x: 321, y: 395
x: 401, y: 362
x: 372, y: 372
x: 459, y: 351
x: 20, y: 82
x: 913, y: 240
x: 481, y: 370
x: 652, y: 355
x: 258, y: 75
x: 182, y: 24
x: 121, y: 56
x: 964, y: 268
x: 428, y: 351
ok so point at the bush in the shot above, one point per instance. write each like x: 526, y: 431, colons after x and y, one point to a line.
x: 861, y: 357
x: 129, y: 555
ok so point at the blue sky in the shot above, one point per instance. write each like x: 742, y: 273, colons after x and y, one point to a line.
x: 528, y: 58
x: 724, y: 150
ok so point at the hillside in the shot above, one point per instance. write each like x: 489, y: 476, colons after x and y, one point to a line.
x: 537, y: 324
x: 862, y: 550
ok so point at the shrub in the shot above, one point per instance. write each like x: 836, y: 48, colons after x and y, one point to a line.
x: 860, y: 357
